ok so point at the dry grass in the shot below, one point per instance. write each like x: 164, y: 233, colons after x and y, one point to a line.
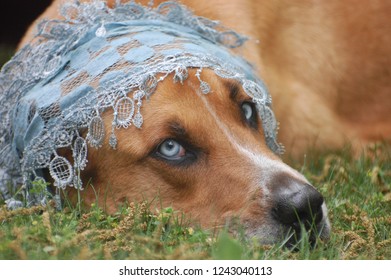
x: 357, y: 192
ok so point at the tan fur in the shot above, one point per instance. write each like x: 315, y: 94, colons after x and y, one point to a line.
x: 327, y: 65
x: 207, y: 190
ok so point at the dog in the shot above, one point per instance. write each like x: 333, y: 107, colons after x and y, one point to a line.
x: 207, y: 156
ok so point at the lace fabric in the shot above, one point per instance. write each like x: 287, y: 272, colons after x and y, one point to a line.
x: 99, y: 58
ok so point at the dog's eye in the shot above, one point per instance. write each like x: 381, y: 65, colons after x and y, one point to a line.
x: 249, y: 114
x: 247, y: 109
x: 171, y: 150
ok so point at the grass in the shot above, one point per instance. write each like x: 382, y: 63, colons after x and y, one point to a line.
x: 357, y: 192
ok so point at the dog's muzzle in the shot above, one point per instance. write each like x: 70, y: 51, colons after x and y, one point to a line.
x: 298, y: 207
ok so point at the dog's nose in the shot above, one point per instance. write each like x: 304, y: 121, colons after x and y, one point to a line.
x: 296, y: 203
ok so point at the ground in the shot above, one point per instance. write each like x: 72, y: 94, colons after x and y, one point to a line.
x: 357, y: 192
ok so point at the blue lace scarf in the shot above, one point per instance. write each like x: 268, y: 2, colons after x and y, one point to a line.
x: 99, y: 58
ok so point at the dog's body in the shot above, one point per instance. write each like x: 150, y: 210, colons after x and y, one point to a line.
x: 326, y: 66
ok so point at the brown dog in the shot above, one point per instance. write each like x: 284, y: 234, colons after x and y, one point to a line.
x: 326, y: 65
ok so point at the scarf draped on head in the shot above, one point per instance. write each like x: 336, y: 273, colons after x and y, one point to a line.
x: 100, y: 58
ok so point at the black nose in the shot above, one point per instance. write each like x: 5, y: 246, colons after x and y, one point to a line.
x: 296, y: 203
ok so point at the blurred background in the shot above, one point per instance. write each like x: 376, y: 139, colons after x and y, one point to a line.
x: 17, y: 15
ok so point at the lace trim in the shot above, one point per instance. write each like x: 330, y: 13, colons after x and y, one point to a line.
x: 99, y: 58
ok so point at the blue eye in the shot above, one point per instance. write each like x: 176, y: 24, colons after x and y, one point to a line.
x: 247, y: 109
x: 171, y: 149
x: 249, y: 113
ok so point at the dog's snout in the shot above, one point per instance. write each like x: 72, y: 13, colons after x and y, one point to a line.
x: 297, y: 202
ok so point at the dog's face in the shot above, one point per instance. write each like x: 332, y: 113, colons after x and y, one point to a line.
x: 205, y: 155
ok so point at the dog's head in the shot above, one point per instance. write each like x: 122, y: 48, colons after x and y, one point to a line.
x: 200, y: 133
x: 207, y: 156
